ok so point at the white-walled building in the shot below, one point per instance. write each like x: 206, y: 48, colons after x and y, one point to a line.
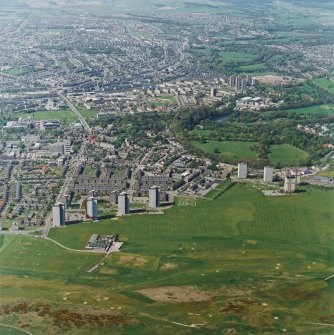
x: 154, y: 197
x: 242, y: 170
x: 290, y: 184
x: 123, y: 203
x: 268, y: 174
x: 91, y: 208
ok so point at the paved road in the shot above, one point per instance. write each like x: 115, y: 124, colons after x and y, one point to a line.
x: 64, y: 190
x: 134, y: 173
x: 74, y: 166
x: 82, y: 120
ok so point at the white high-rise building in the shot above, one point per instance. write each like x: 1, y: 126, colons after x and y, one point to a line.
x: 268, y: 174
x: 58, y: 215
x: 123, y: 204
x: 242, y: 170
x: 91, y: 209
x: 154, y: 197
x: 298, y: 177
x: 290, y: 184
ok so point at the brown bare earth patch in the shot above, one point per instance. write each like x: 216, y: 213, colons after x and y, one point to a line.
x: 238, y: 306
x: 125, y: 259
x: 140, y: 261
x: 168, y: 266
x: 64, y: 317
x: 176, y: 293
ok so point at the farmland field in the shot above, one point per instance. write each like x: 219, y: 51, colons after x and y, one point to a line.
x: 64, y: 116
x: 286, y: 154
x: 216, y: 265
x: 229, y: 149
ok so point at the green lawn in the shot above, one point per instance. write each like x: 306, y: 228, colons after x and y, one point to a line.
x: 268, y: 255
x: 167, y: 97
x: 286, y: 154
x: 88, y: 113
x: 65, y: 116
x: 325, y: 83
x: 327, y: 109
x: 253, y: 68
x: 16, y: 71
x: 327, y: 173
x: 37, y: 257
x: 202, y: 132
x: 228, y: 149
x: 230, y: 56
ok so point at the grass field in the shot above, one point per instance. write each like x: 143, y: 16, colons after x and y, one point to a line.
x: 36, y: 257
x: 327, y: 109
x: 244, y: 261
x: 325, y: 83
x: 227, y: 57
x: 253, y: 68
x: 11, y: 331
x: 327, y: 173
x: 228, y: 149
x: 65, y: 116
x: 88, y: 113
x: 16, y: 72
x: 286, y: 154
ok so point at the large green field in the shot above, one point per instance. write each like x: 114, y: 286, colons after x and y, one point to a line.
x: 286, y: 154
x: 327, y: 109
x: 244, y: 261
x: 325, y: 83
x: 16, y: 71
x: 65, y: 116
x: 228, y: 149
x: 38, y: 257
x: 230, y: 56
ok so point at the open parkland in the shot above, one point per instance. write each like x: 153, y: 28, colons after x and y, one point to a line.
x: 239, y: 263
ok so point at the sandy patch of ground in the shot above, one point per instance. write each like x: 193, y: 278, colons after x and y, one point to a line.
x: 125, y: 259
x: 328, y: 108
x: 176, y: 293
x: 253, y: 242
x: 168, y: 266
x: 108, y: 271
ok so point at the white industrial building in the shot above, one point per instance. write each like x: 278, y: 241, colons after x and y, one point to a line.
x: 123, y: 204
x: 91, y: 208
x: 58, y: 215
x: 242, y: 170
x: 154, y: 197
x: 268, y: 174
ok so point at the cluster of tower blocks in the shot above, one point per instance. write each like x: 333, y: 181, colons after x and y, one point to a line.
x: 91, y: 205
x: 290, y: 182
